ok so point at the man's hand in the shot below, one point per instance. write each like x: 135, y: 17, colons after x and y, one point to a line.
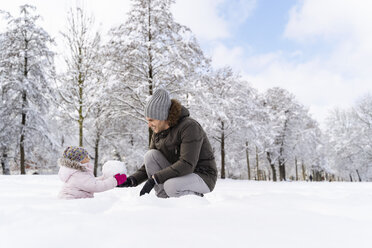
x: 130, y: 182
x: 149, y: 185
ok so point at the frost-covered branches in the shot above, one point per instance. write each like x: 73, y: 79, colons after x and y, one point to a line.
x: 349, y: 134
x: 27, y: 73
x: 78, y: 83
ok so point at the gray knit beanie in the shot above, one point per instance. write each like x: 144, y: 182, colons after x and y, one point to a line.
x: 158, y: 106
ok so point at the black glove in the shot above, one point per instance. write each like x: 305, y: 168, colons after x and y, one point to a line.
x: 130, y: 182
x: 148, y: 186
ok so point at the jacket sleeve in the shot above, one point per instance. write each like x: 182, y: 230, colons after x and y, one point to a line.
x: 91, y: 184
x: 140, y: 175
x: 191, y: 143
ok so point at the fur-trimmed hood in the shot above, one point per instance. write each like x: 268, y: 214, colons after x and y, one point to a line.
x: 71, y: 164
x: 69, y: 167
x: 176, y: 113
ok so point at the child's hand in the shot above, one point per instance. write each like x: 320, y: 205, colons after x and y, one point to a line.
x: 120, y: 178
x: 131, y: 182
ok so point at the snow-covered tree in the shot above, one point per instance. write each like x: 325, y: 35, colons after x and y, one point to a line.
x: 78, y: 82
x: 308, y: 148
x: 222, y: 105
x: 7, y: 132
x: 27, y: 70
x: 362, y: 112
x: 286, y: 119
x: 349, y: 134
x: 253, y: 131
x: 148, y: 51
x: 342, y: 135
x: 101, y: 124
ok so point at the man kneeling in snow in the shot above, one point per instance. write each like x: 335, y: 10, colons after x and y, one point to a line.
x: 180, y: 160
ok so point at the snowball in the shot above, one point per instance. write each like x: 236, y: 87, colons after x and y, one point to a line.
x: 112, y: 167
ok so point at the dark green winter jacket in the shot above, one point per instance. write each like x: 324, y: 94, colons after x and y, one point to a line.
x: 186, y: 147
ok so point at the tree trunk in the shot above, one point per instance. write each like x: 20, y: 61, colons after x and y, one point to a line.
x: 222, y: 150
x: 81, y: 117
x: 282, y: 170
x: 5, y: 163
x: 317, y: 176
x: 272, y: 166
x: 360, y: 179
x: 281, y: 161
x: 269, y: 175
x: 22, y: 140
x: 351, y: 178
x: 303, y: 171
x: 150, y: 72
x: 296, y: 168
x: 24, y: 115
x: 248, y: 165
x: 96, y: 154
x: 274, y: 172
x: 257, y: 163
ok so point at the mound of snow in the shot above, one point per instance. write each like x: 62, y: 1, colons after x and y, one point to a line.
x: 112, y: 167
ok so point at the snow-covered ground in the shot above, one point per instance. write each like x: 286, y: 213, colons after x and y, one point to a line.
x: 236, y: 214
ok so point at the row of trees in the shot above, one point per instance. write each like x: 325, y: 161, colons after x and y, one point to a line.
x: 349, y: 135
x: 98, y: 99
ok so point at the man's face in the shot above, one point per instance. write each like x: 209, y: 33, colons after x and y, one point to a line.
x: 156, y: 125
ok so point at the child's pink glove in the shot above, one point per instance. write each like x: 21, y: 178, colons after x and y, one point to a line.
x: 120, y: 178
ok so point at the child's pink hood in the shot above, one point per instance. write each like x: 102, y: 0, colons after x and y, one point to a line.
x: 65, y: 173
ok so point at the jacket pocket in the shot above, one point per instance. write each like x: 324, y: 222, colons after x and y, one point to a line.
x: 173, y: 152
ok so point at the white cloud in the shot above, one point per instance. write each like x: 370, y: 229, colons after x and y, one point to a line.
x: 212, y: 20
x: 345, y: 26
x: 201, y: 16
x: 330, y: 20
x: 223, y: 56
x: 237, y: 11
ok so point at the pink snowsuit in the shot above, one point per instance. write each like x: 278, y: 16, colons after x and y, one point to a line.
x: 79, y: 181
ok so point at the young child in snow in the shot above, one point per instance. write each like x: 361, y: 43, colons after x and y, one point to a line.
x: 77, y: 174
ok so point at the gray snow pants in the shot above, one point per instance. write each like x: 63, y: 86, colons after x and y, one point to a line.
x: 174, y: 187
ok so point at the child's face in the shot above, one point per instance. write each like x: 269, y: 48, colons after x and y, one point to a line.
x: 85, y: 160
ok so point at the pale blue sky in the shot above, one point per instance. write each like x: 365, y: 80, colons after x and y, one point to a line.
x: 262, y: 31
x: 320, y: 50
